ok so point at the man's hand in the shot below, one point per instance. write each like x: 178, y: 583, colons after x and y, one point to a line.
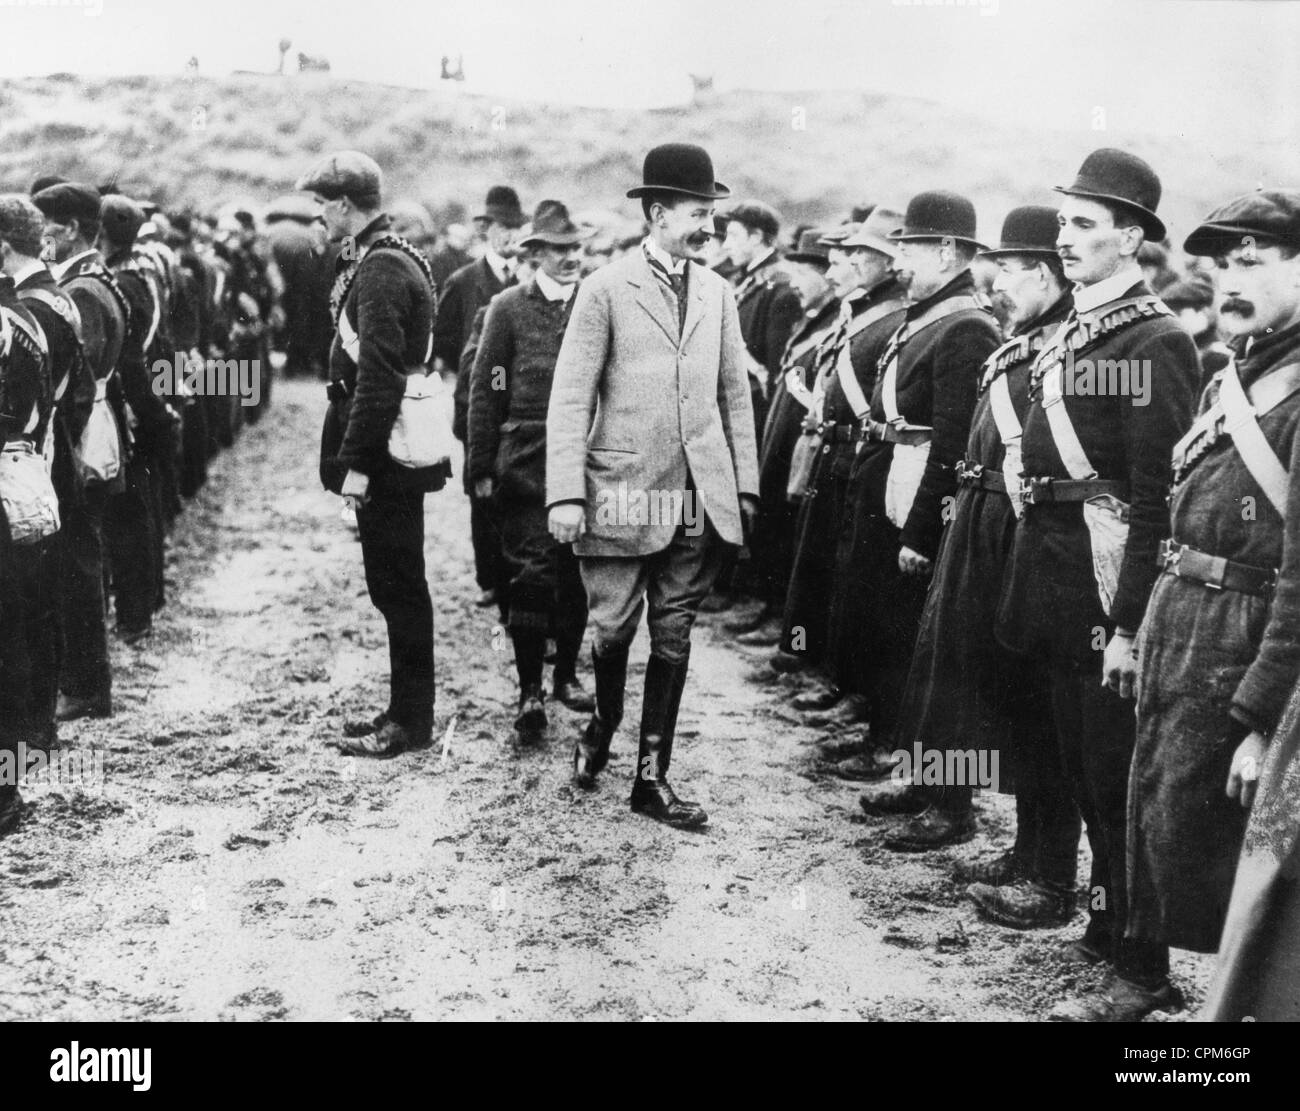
x: 355, y: 488
x: 1119, y: 664
x: 567, y: 522
x: 483, y: 488
x: 913, y: 563
x: 1246, y: 762
x: 748, y: 515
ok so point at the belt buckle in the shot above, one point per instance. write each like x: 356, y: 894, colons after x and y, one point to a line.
x: 1173, y: 557
x: 969, y: 472
x: 1033, y: 491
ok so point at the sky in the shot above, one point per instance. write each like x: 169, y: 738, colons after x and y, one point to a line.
x: 1191, y: 67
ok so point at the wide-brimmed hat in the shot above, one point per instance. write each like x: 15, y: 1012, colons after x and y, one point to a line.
x: 876, y: 230
x: 502, y: 207
x: 1123, y: 178
x: 810, y: 249
x: 551, y: 227
x: 938, y: 214
x: 679, y: 168
x: 1030, y: 229
x: 1266, y: 216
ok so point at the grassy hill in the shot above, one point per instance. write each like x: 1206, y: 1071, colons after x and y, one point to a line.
x: 202, y: 141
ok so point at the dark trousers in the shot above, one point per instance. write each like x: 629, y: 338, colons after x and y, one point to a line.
x: 391, y: 526
x: 133, y: 534
x: 84, y: 671
x: 1097, y: 730
x: 489, y: 571
x: 673, y: 580
x: 1047, y: 820
x: 28, y: 645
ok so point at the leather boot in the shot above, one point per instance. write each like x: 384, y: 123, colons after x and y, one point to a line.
x: 652, y: 795
x: 530, y: 722
x: 591, y: 753
x: 11, y: 808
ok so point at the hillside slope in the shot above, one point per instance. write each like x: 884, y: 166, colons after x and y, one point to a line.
x: 204, y: 140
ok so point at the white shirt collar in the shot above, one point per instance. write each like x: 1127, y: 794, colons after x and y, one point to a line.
x: 499, y: 264
x: 553, y: 290
x: 672, y: 265
x: 1090, y: 297
x: 767, y: 254
x: 34, y: 267
x: 59, y: 269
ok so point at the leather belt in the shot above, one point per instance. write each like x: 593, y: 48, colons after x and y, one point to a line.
x: 837, y: 433
x: 1215, y: 572
x: 978, y: 476
x: 1046, y: 491
x: 874, y: 431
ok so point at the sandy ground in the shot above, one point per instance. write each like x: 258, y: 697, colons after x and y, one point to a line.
x: 233, y: 867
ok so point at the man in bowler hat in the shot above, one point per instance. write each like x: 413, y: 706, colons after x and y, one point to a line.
x: 651, y: 467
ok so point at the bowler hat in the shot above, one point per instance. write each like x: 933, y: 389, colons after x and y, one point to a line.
x: 502, y: 206
x: 1123, y: 178
x: 345, y: 173
x: 69, y: 200
x: 1028, y: 230
x: 679, y: 168
x: 1272, y: 215
x: 939, y: 214
x: 811, y: 250
x: 121, y: 219
x: 876, y: 230
x: 552, y: 227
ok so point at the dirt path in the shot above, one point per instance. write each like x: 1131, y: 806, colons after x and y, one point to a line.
x: 233, y: 867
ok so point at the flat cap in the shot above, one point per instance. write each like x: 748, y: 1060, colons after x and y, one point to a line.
x: 756, y: 216
x: 1271, y: 215
x: 121, y: 219
x: 69, y: 200
x: 21, y: 224
x: 345, y: 173
x: 1188, y: 295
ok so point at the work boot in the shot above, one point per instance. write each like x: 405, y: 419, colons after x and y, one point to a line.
x: 1089, y: 949
x: 1022, y: 906
x: 819, y: 698
x: 932, y: 829
x: 849, y: 710
x: 353, y: 729
x: 486, y: 598
x: 69, y: 708
x: 748, y: 621
x: 993, y: 871
x: 766, y: 635
x: 652, y: 795
x: 573, y: 695
x: 530, y: 722
x: 893, y: 796
x: 785, y: 663
x: 388, y: 741
x: 1118, y: 1000
x: 865, y: 767
x: 591, y: 753
x: 717, y: 601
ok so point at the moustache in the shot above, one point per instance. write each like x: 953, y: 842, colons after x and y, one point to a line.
x: 1238, y: 307
x: 699, y: 239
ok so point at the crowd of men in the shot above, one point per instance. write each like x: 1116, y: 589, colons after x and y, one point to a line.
x: 134, y: 346
x: 1008, y: 515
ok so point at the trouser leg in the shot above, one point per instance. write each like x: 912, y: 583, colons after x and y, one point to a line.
x: 85, y: 672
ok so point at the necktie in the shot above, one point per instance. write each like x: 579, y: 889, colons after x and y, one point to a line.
x: 674, y: 281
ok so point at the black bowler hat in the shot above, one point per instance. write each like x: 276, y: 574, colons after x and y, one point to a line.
x: 1028, y: 230
x: 552, y: 227
x: 69, y: 200
x: 1270, y: 215
x: 811, y: 250
x: 1116, y: 175
x: 939, y: 214
x: 679, y: 168
x: 502, y: 206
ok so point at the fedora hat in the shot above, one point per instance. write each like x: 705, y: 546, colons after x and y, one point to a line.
x: 939, y: 214
x: 679, y: 168
x: 1028, y: 230
x: 876, y: 230
x: 1122, y: 178
x: 502, y: 207
x: 811, y: 249
x: 552, y: 227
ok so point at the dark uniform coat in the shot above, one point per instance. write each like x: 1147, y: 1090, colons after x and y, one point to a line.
x: 877, y: 609
x: 769, y: 311
x: 1209, y: 658
x: 961, y: 690
x: 464, y: 293
x: 808, y: 603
